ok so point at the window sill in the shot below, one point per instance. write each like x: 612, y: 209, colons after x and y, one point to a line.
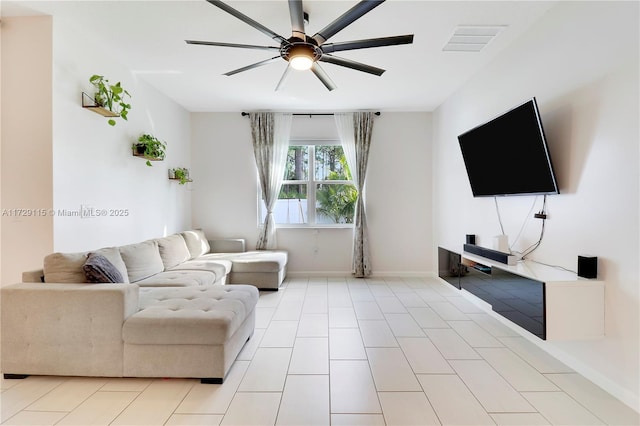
x: 330, y: 226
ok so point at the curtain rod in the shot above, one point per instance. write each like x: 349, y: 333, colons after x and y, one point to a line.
x: 246, y: 114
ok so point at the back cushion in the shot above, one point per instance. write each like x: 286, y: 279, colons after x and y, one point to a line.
x: 113, y: 255
x: 196, y: 242
x: 67, y: 267
x: 64, y: 268
x: 173, y: 250
x: 142, y: 260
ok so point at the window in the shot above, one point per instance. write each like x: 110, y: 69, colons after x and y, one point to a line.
x: 317, y: 189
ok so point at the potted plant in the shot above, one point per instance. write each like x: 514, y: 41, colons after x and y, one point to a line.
x: 149, y: 147
x: 111, y: 97
x: 182, y: 174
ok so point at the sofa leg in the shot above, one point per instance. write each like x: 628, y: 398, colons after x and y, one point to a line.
x: 16, y: 376
x: 212, y: 381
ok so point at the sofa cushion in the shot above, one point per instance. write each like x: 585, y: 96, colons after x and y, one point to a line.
x: 196, y: 242
x: 173, y: 250
x: 113, y: 255
x: 142, y: 260
x: 220, y: 267
x: 98, y: 269
x: 189, y: 316
x: 64, y: 268
x: 67, y: 267
x: 252, y: 261
x: 179, y: 279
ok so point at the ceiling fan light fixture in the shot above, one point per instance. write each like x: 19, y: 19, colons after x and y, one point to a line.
x: 301, y: 62
x: 301, y: 56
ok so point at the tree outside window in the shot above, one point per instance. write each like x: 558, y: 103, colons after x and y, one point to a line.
x: 324, y: 197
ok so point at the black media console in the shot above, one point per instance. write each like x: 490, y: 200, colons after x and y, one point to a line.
x: 519, y: 299
x: 546, y: 302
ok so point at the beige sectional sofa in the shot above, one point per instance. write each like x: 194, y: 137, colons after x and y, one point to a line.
x: 178, y: 260
x: 171, y: 316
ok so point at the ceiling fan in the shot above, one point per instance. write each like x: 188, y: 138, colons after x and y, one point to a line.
x: 303, y: 52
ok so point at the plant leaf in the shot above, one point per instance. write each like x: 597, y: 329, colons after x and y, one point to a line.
x: 112, y: 122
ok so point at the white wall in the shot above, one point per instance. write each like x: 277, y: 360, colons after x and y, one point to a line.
x: 26, y: 144
x: 92, y: 161
x: 397, y: 192
x: 581, y: 62
x: 57, y: 155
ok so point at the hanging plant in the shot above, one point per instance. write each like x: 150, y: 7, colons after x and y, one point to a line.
x: 182, y: 174
x: 111, y: 97
x: 150, y: 147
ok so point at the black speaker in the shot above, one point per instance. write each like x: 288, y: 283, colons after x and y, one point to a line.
x: 471, y: 239
x: 588, y: 266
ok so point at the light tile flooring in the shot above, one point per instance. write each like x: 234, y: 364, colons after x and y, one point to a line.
x: 341, y: 351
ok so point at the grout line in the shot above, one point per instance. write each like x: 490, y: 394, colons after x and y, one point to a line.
x: 341, y: 290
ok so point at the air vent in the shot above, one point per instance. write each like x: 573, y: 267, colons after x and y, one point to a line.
x: 472, y: 38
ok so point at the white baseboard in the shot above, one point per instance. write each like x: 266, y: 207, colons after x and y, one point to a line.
x: 304, y: 274
x: 375, y: 274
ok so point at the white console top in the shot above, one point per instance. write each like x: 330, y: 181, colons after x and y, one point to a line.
x: 533, y: 270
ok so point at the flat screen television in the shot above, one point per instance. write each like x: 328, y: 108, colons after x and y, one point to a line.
x: 508, y: 155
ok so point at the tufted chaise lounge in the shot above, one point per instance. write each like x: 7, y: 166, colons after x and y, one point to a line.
x: 122, y: 330
x: 188, y: 331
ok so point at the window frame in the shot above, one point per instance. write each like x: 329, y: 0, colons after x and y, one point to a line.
x: 311, y: 184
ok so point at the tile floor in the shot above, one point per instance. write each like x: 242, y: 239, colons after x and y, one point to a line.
x: 341, y: 351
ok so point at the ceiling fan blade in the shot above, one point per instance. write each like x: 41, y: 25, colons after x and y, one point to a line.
x: 352, y: 64
x: 283, y: 79
x: 323, y: 77
x: 244, y: 18
x: 243, y: 46
x: 297, y: 18
x: 252, y: 66
x: 367, y: 43
x: 345, y: 19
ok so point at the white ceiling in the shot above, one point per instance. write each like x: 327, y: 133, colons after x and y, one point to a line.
x: 148, y: 37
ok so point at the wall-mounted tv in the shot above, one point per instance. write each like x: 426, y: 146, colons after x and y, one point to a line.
x: 508, y: 155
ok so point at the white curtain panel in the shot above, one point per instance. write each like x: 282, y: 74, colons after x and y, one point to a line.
x: 270, y: 134
x: 344, y: 123
x: 355, y: 131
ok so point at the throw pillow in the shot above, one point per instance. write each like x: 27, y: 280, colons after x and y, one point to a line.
x: 98, y: 269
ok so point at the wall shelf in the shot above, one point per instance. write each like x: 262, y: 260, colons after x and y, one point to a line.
x: 146, y: 157
x: 89, y: 103
x: 183, y: 173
